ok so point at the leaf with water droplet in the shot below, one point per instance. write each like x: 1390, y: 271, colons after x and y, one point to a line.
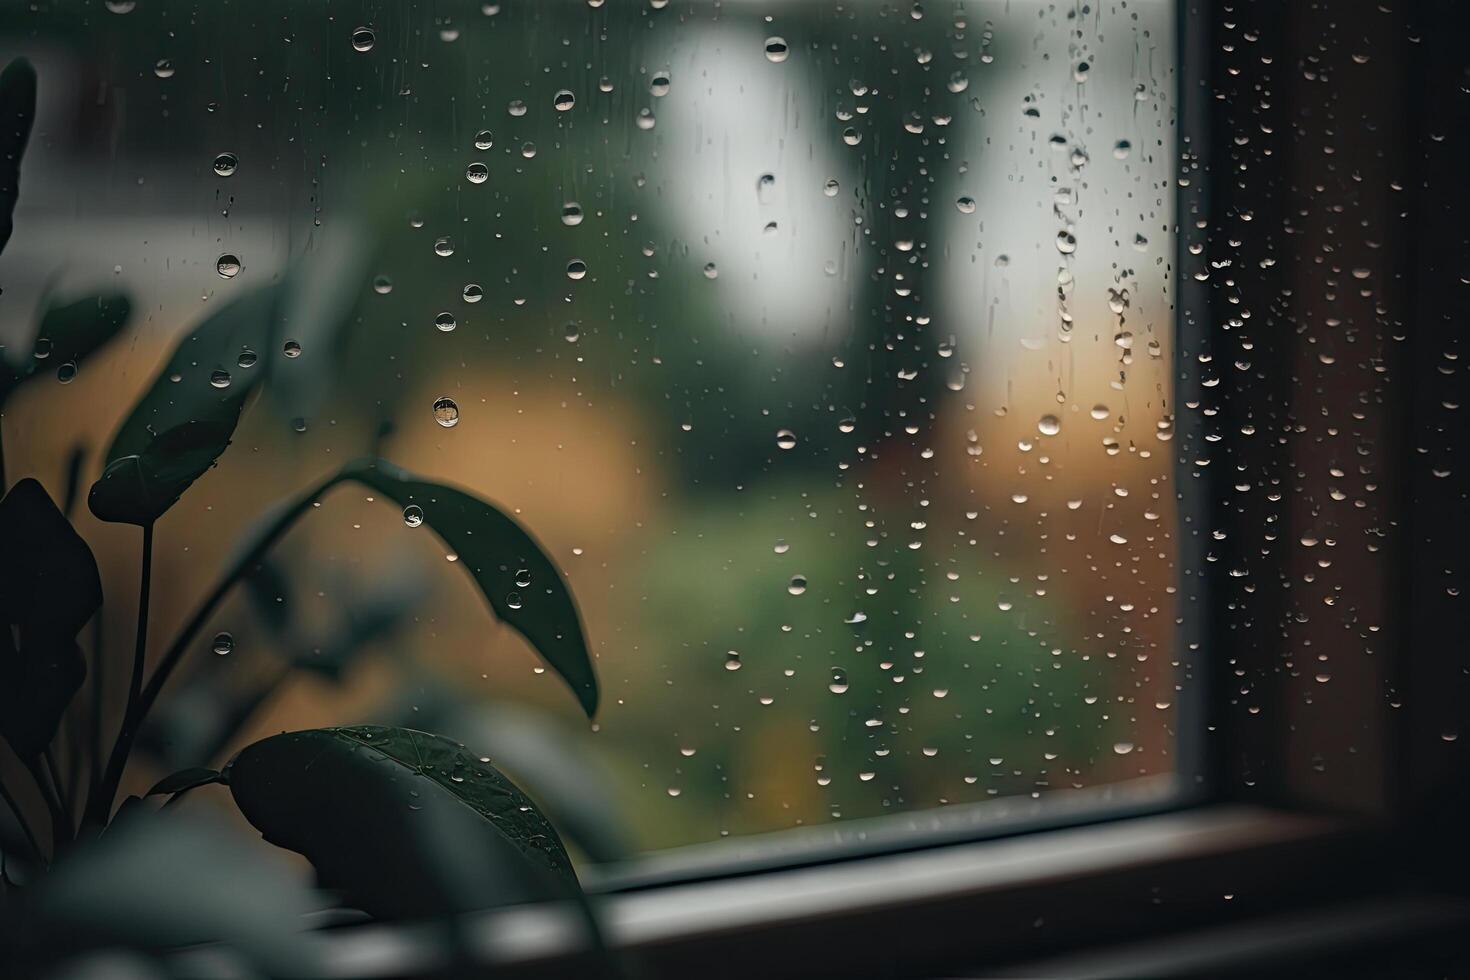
x: 68, y: 332
x: 495, y: 550
x: 379, y: 814
x: 180, y: 427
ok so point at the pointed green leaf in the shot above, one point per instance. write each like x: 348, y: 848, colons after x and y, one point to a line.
x: 185, y: 420
x: 49, y: 588
x: 406, y: 823
x: 185, y: 779
x: 17, y: 113
x: 514, y: 574
x: 67, y: 333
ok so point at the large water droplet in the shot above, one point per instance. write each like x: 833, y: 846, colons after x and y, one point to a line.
x: 797, y: 585
x: 225, y: 164
x: 228, y: 266
x: 571, y: 214
x: 776, y: 49
x: 413, y: 515
x: 477, y: 173
x: 446, y: 412
x: 576, y: 269
x: 222, y: 644
x: 564, y: 100
x: 786, y: 439
x: 445, y: 323
x: 362, y: 39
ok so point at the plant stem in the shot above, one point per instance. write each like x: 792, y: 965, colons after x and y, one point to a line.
x: 20, y: 818
x: 140, y: 649
x: 62, y: 796
x: 99, y: 690
x: 99, y: 806
x: 99, y: 801
x: 61, y: 828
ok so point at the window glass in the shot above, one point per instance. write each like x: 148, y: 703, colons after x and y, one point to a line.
x: 827, y: 347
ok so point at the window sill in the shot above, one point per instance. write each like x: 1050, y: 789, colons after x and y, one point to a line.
x: 943, y: 908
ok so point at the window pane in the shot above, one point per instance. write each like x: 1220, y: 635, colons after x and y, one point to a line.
x: 827, y: 347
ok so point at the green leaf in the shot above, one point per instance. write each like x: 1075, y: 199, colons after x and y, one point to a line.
x: 500, y: 555
x: 186, y: 779
x: 406, y: 823
x: 49, y: 588
x: 185, y: 421
x: 67, y: 333
x: 17, y: 113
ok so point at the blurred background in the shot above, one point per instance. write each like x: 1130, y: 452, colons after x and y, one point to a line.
x: 826, y: 347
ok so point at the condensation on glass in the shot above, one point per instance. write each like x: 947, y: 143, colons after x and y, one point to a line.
x: 827, y: 346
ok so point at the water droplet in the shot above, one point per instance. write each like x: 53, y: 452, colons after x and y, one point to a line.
x: 247, y: 358
x: 658, y: 85
x: 1100, y: 411
x: 477, y: 173
x: 362, y: 39
x: 1122, y: 748
x: 1049, y: 425
x: 484, y: 139
x: 1121, y: 149
x: 121, y: 6
x: 776, y: 50
x: 413, y: 515
x: 225, y: 164
x: 851, y: 136
x: 711, y: 271
x: 164, y: 68
x: 219, y: 378
x: 571, y: 214
x: 646, y: 120
x: 513, y: 600
x: 223, y: 643
x: 576, y: 269
x: 564, y: 100
x: 1066, y: 242
x: 781, y: 547
x: 516, y: 107
x: 831, y: 187
x: 472, y: 293
x: 291, y: 349
x: 228, y: 266
x: 732, y: 660
x: 446, y: 412
x: 66, y: 372
x: 444, y: 322
x: 786, y: 439
x: 966, y: 205
x: 839, y: 683
x: 572, y: 333
x: 797, y: 585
